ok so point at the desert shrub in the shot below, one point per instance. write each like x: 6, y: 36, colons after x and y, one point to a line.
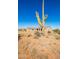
x: 57, y: 38
x: 35, y: 37
x: 19, y: 36
x: 42, y: 34
x: 57, y: 31
x: 38, y: 34
x: 29, y: 35
x: 49, y: 31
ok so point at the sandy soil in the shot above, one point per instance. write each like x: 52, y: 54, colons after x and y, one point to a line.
x: 33, y: 44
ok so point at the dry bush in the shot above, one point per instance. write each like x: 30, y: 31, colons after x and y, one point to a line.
x: 38, y: 34
x: 57, y: 38
x: 57, y: 31
x: 29, y: 35
x: 42, y: 34
x: 49, y: 31
x: 19, y: 36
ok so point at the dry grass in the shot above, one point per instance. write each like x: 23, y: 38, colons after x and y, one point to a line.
x: 38, y: 45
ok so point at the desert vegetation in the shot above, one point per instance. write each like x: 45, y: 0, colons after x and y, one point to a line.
x: 34, y: 44
x: 57, y: 31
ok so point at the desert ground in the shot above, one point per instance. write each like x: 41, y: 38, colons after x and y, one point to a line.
x: 35, y: 44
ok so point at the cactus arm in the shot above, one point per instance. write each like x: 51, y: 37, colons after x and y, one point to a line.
x: 40, y: 23
x: 38, y: 18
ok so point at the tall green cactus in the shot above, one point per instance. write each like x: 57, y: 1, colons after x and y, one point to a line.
x: 39, y: 20
x: 44, y: 17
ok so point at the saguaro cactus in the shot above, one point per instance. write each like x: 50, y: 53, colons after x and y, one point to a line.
x: 44, y: 17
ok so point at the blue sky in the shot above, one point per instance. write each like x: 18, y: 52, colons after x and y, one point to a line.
x: 27, y: 9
